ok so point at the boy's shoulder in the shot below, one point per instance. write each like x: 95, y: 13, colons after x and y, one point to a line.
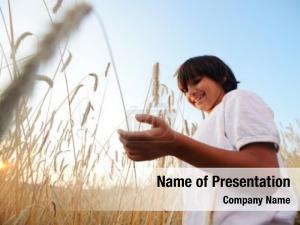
x: 243, y: 95
x: 246, y: 100
x: 240, y: 92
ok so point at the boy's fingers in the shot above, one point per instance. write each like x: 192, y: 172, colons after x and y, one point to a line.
x: 134, y: 154
x: 130, y: 145
x: 145, y: 118
x: 135, y: 135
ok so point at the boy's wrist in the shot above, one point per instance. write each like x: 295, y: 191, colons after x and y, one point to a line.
x: 175, y: 145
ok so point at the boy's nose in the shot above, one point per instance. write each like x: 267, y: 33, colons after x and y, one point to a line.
x: 191, y: 91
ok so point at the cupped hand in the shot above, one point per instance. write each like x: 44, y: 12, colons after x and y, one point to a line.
x: 150, y: 144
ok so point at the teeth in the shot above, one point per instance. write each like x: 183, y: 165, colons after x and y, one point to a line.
x: 200, y: 97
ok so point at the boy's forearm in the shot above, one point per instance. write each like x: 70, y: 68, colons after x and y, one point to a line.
x: 201, y: 155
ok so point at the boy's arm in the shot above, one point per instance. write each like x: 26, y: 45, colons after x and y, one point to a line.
x: 198, y: 154
x: 162, y: 141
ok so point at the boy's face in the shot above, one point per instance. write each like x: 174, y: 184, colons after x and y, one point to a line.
x: 204, y: 93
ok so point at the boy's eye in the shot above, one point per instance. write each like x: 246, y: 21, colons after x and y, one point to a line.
x: 197, y: 80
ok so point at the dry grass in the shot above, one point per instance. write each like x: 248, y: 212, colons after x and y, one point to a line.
x: 41, y: 159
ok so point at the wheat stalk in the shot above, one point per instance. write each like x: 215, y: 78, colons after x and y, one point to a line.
x: 67, y: 62
x: 117, y: 78
x: 155, y: 84
x: 106, y: 70
x: 57, y: 6
x: 186, y: 127
x: 96, y: 80
x: 86, y: 113
x: 20, y: 39
x: 75, y: 92
x: 44, y: 78
x: 164, y: 87
x: 22, y: 85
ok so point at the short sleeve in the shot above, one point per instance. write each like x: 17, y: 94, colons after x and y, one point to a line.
x: 248, y: 120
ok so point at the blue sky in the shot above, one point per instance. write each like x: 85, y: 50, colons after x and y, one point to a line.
x: 258, y: 39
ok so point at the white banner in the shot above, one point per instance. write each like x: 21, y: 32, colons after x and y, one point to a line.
x: 191, y: 189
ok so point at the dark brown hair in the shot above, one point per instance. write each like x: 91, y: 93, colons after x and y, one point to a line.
x: 209, y: 66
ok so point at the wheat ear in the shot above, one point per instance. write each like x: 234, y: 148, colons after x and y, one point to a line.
x: 23, y: 84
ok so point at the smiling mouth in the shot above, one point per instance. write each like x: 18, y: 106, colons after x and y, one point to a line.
x: 199, y: 98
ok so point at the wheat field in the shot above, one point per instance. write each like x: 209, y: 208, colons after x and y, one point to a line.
x: 51, y: 151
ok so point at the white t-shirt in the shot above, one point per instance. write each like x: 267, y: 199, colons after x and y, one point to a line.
x: 239, y: 119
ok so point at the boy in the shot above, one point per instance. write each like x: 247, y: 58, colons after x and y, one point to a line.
x: 238, y: 131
